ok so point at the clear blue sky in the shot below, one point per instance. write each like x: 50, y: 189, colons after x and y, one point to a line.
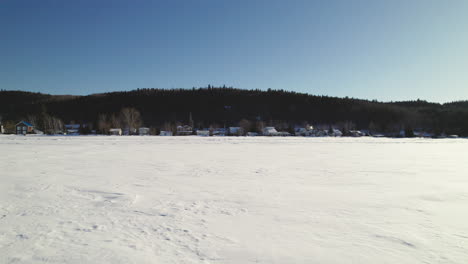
x: 375, y: 49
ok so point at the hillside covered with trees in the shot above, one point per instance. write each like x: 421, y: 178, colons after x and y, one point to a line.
x: 222, y: 106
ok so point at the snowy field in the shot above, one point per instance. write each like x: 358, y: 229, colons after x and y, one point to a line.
x: 233, y: 200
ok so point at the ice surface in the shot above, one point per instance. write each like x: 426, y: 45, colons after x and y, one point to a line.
x: 233, y: 200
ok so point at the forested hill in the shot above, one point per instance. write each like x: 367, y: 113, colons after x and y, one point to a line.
x: 228, y: 106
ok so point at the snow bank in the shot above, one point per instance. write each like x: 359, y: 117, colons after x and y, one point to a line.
x: 232, y: 200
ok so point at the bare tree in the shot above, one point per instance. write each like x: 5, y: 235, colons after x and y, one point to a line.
x: 245, y: 126
x: 51, y: 125
x: 260, y: 125
x: 115, y: 122
x: 9, y: 127
x: 103, y: 123
x: 168, y: 126
x: 131, y: 119
x: 32, y: 119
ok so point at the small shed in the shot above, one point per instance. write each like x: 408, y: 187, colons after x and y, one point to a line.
x: 23, y: 128
x: 143, y: 131
x: 115, y: 131
x: 165, y: 133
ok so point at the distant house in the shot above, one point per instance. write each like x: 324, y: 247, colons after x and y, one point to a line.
x: 336, y: 133
x: 272, y: 132
x: 304, y: 131
x: 422, y: 133
x: 203, y: 133
x: 165, y: 133
x: 143, y: 131
x: 321, y: 133
x: 235, y: 131
x: 184, y: 130
x: 252, y: 134
x: 23, y: 128
x: 356, y: 133
x: 72, y: 129
x: 269, y: 131
x: 115, y: 131
x: 218, y: 132
x: 129, y: 131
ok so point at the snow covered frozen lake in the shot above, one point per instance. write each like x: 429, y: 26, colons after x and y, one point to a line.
x: 233, y: 200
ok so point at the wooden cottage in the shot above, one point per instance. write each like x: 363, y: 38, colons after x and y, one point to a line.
x: 23, y: 128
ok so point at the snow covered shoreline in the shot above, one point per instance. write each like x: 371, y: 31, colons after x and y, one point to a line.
x: 114, y: 199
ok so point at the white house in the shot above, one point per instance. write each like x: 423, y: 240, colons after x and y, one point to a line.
x: 143, y: 131
x: 203, y: 133
x: 115, y: 131
x: 184, y: 130
x: 269, y: 131
x: 165, y: 133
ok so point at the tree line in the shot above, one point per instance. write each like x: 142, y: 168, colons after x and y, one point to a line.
x: 163, y: 109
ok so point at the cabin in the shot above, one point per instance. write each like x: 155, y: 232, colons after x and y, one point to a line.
x: 23, y: 128
x: 143, y: 131
x: 218, y: 132
x: 271, y: 131
x: 203, y: 133
x: 115, y: 131
x: 165, y: 133
x: 72, y: 129
x: 184, y: 130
